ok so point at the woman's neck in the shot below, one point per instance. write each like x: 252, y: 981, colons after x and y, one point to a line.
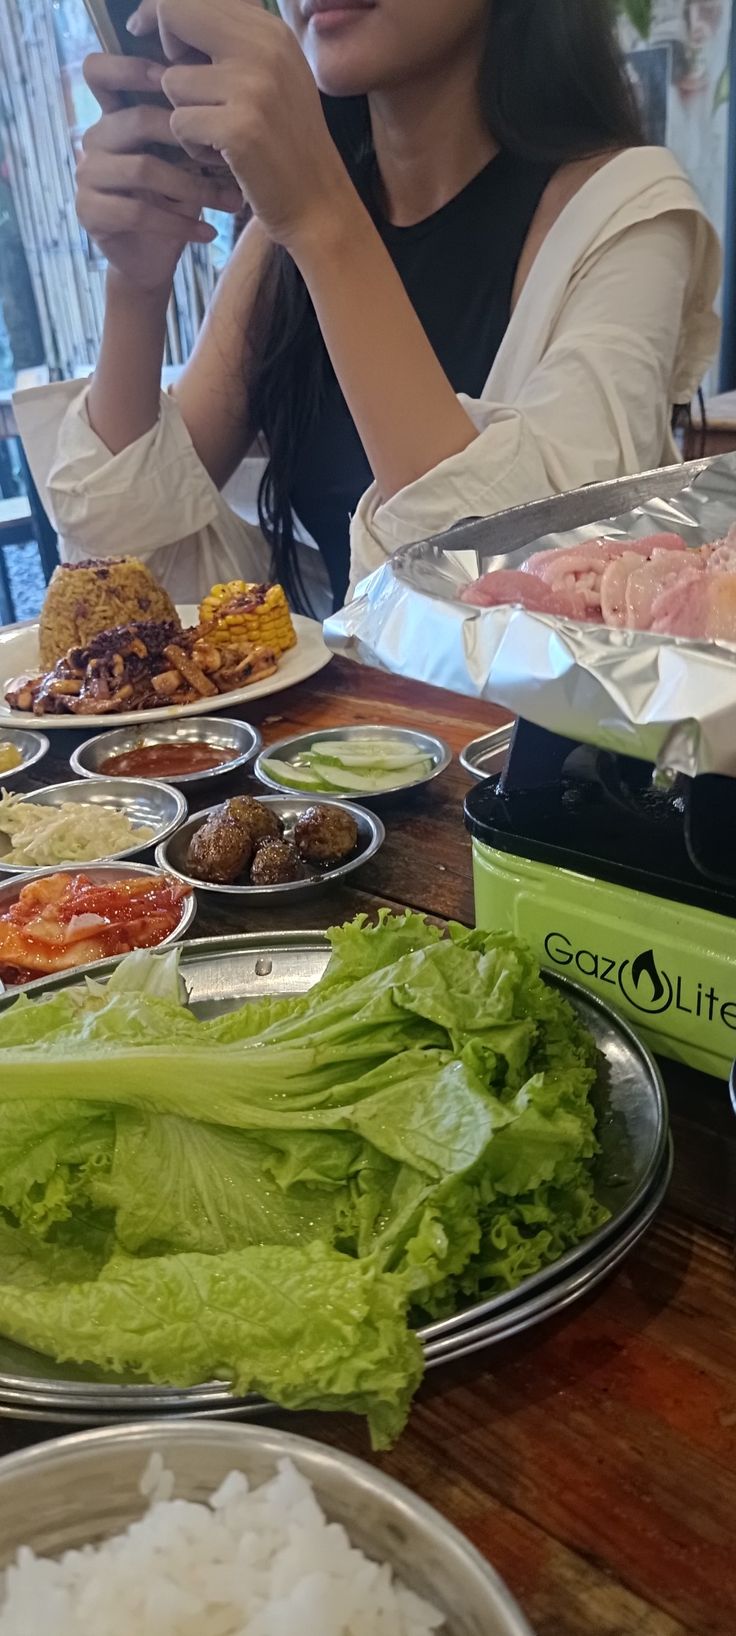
x: 430, y: 140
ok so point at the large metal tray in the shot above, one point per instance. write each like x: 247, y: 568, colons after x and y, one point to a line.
x: 222, y: 973
x: 526, y: 1315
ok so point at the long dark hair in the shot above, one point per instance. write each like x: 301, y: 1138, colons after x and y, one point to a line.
x: 553, y: 89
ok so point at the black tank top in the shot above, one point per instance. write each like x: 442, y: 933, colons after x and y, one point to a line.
x: 458, y: 268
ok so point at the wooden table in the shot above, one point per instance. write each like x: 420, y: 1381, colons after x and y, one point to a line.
x: 593, y: 1461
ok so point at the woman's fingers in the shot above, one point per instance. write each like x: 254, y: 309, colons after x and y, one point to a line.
x: 197, y: 129
x: 207, y: 29
x: 105, y: 214
x: 186, y: 23
x: 129, y: 130
x: 111, y: 79
x: 143, y: 21
x: 196, y: 86
x: 175, y: 187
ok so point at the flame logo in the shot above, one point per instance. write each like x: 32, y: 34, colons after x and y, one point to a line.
x: 646, y: 966
x: 644, y: 985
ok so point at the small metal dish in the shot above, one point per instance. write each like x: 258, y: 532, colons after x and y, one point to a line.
x: 158, y: 806
x: 32, y: 746
x: 80, y: 1490
x: 172, y: 854
x: 487, y: 755
x: 102, y: 874
x: 219, y: 732
x: 287, y: 749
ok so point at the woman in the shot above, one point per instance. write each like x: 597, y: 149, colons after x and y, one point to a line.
x: 464, y: 286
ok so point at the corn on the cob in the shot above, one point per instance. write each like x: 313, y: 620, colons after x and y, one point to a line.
x: 254, y: 613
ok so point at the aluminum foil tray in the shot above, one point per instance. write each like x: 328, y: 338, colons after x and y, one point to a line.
x: 663, y: 699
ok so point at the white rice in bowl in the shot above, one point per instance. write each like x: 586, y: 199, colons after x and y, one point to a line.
x: 251, y: 1562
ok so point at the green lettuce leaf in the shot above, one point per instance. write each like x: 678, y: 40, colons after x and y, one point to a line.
x: 51, y: 1151
x: 28, y: 1262
x: 418, y: 1127
x: 176, y: 1185
x: 307, y: 1328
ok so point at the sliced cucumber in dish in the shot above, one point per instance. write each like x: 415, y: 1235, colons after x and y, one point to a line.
x: 349, y: 778
x: 361, y: 766
x: 365, y: 753
x: 297, y: 777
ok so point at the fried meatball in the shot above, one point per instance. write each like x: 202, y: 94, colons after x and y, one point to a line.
x: 275, y: 863
x: 220, y: 851
x: 262, y: 823
x: 326, y: 835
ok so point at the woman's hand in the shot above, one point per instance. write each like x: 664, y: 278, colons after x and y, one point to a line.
x: 140, y: 209
x: 254, y: 102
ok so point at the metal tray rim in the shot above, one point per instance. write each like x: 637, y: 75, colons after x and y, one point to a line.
x: 562, y: 1293
x: 496, y: 741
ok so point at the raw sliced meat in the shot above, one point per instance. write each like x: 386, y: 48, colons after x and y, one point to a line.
x: 658, y: 542
x: 682, y: 609
x: 616, y: 576
x: 658, y: 584
x: 578, y: 571
x: 648, y: 582
x: 722, y: 559
x: 593, y: 555
x: 703, y: 609
x: 721, y: 618
x: 509, y: 586
x: 573, y: 559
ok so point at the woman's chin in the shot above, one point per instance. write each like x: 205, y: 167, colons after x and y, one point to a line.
x: 343, y: 70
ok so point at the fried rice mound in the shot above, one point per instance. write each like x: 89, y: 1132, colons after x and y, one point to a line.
x: 86, y: 598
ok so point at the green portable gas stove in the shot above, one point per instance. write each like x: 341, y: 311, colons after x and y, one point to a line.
x: 624, y: 886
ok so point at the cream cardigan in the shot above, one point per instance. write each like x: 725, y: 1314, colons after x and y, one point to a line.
x: 615, y: 324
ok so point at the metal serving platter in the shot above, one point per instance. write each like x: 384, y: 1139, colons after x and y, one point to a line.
x: 487, y: 755
x: 527, y: 1314
x: 222, y: 973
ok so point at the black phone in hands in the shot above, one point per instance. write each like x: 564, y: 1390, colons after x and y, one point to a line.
x: 109, y: 19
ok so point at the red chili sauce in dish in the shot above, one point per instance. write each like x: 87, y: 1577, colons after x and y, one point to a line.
x: 164, y: 760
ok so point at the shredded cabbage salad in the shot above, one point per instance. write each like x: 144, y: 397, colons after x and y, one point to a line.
x: 72, y: 832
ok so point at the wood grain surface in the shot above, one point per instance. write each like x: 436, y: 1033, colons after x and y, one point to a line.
x: 594, y: 1460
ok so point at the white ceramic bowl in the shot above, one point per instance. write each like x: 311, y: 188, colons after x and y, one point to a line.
x: 80, y: 1490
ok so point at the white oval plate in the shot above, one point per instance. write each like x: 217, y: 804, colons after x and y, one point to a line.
x: 19, y: 654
